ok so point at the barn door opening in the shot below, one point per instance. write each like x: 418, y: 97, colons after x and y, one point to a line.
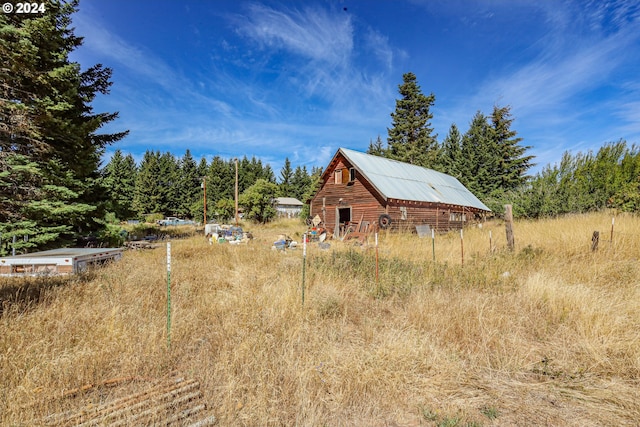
x: 344, y: 216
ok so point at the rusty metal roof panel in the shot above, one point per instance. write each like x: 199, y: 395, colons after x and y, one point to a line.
x: 403, y: 181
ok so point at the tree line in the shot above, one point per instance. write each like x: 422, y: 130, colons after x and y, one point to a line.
x: 491, y: 161
x: 165, y: 185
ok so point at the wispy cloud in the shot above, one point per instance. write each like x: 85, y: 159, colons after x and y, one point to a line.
x: 576, y: 58
x: 313, y: 32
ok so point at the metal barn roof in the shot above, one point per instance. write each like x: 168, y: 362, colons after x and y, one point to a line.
x: 290, y: 201
x: 403, y: 181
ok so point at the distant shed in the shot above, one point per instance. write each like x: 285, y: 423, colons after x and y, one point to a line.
x: 357, y: 186
x: 57, y: 261
x: 289, y: 207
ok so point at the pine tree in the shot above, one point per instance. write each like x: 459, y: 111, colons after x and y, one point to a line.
x: 300, y: 183
x: 168, y: 180
x: 189, y: 185
x: 48, y: 130
x: 203, y: 167
x: 478, y: 160
x: 119, y: 179
x: 410, y: 138
x: 511, y: 155
x: 268, y: 175
x: 148, y: 194
x: 450, y: 158
x: 376, y: 148
x: 220, y: 180
x: 286, y: 174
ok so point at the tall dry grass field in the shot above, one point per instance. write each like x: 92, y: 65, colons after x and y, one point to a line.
x: 548, y: 334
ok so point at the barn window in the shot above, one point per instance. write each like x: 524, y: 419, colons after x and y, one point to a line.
x: 352, y: 174
x: 338, y: 176
x: 403, y: 212
x: 345, y: 175
x: 457, y: 216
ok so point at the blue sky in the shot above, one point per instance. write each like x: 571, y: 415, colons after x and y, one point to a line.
x: 299, y: 79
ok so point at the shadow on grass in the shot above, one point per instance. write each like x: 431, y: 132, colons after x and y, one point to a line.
x: 21, y: 294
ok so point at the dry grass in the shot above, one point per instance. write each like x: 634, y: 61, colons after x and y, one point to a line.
x: 546, y: 335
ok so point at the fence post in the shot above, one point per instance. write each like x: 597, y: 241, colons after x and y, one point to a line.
x: 508, y: 219
x: 169, y: 295
x: 594, y: 241
x: 433, y: 244
x: 612, y: 221
x: 304, y: 261
x: 461, y: 247
x: 377, y: 268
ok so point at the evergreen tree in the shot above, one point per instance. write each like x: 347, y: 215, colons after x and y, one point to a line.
x: 203, y: 167
x: 310, y: 191
x: 168, y: 180
x: 376, y: 148
x: 268, y: 175
x: 450, y: 159
x: 220, y: 180
x: 410, y: 138
x: 478, y: 161
x: 119, y: 179
x: 513, y: 164
x: 189, y: 185
x: 48, y: 130
x: 286, y: 174
x: 148, y: 194
x: 300, y: 183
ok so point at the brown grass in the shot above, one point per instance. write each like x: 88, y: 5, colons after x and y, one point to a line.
x: 546, y: 335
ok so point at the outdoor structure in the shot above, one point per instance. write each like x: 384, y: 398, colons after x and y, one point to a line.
x: 288, y: 207
x: 364, y: 189
x: 57, y: 261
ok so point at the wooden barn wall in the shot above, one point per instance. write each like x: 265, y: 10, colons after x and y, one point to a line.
x: 358, y: 195
x: 437, y: 217
x: 365, y: 203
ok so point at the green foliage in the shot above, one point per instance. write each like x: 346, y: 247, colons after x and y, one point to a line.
x: 512, y: 163
x: 258, y: 199
x: 148, y: 195
x: 310, y: 190
x: 49, y: 146
x: 112, y: 235
x: 119, y: 178
x: 153, y: 218
x: 584, y: 182
x: 225, y: 209
x: 189, y: 184
x: 286, y: 175
x: 410, y: 137
x: 376, y: 148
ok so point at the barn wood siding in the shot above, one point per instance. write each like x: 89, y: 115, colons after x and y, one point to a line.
x: 437, y: 217
x: 357, y: 195
x: 366, y: 203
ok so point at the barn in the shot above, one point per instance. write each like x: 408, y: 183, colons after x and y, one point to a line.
x: 364, y: 189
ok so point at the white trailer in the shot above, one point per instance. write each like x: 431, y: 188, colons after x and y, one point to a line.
x: 57, y: 261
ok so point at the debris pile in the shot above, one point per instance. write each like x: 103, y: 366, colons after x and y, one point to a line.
x: 231, y: 234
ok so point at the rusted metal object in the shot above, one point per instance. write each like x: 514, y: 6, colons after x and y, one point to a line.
x: 175, y: 402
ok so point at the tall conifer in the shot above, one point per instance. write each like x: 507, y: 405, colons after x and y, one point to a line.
x: 410, y: 137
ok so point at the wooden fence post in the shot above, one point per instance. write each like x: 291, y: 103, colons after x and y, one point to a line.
x: 461, y: 248
x: 594, y: 241
x: 613, y: 219
x: 508, y: 219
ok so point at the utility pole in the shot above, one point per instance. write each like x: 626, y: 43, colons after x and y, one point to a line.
x: 236, y: 160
